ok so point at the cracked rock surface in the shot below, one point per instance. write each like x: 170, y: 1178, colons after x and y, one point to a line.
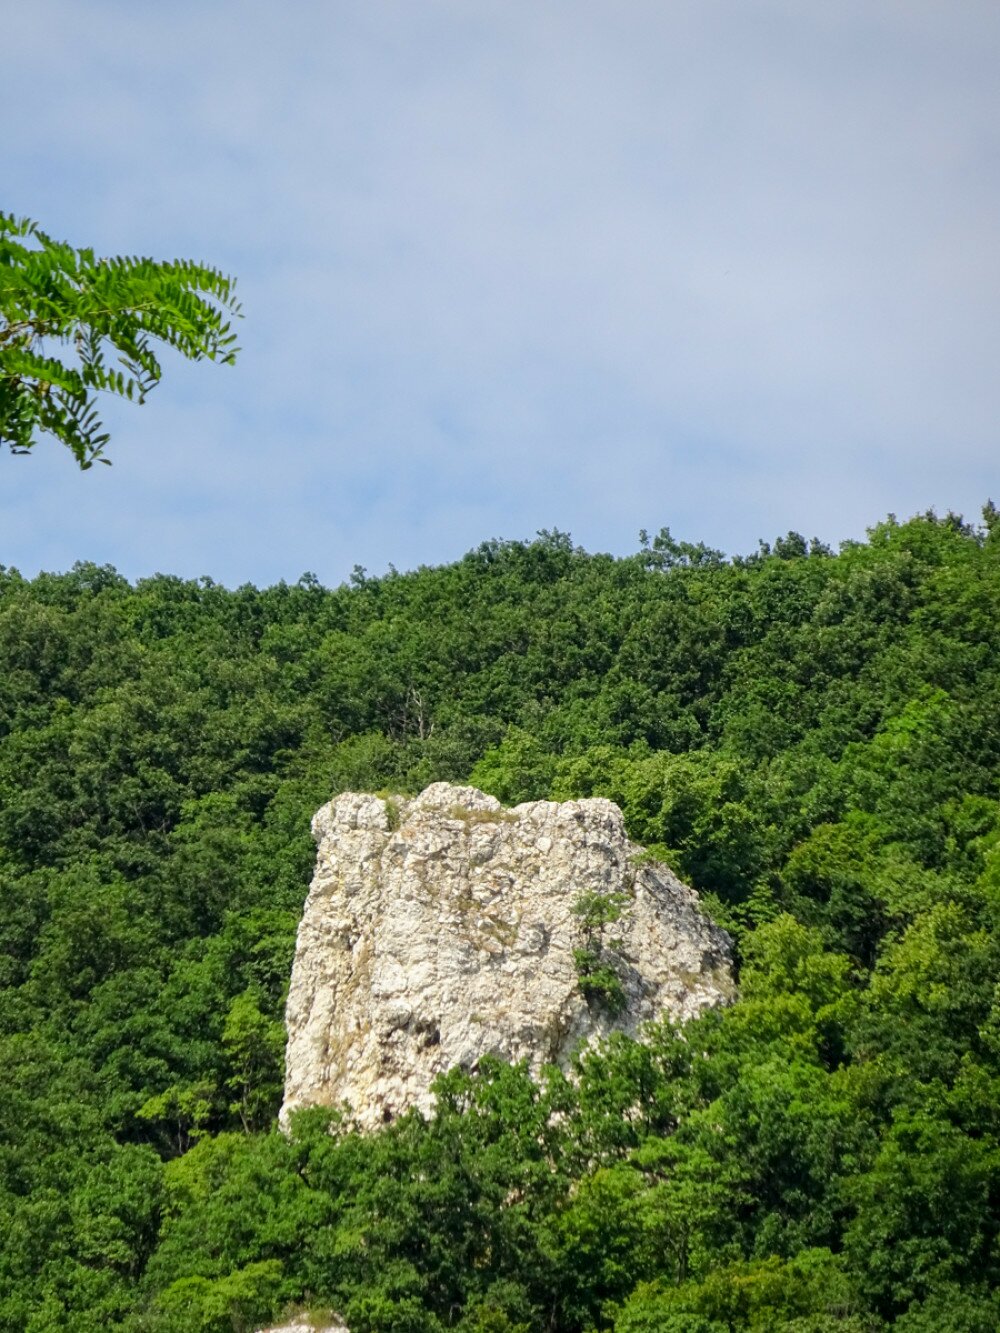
x: 442, y: 928
x: 297, y: 1326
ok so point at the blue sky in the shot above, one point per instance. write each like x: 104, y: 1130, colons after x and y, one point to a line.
x: 729, y: 266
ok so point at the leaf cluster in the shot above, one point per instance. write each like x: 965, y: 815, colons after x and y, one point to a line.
x: 73, y: 326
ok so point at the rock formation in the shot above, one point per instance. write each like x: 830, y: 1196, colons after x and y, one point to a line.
x: 445, y: 927
x: 306, y: 1325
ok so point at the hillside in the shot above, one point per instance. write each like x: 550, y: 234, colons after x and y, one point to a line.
x: 810, y: 739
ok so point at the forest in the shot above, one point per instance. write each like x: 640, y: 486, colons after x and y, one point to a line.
x: 809, y: 737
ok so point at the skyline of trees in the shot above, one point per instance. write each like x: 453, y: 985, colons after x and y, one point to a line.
x: 811, y: 739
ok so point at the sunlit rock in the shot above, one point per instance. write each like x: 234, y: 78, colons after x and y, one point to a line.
x: 445, y: 927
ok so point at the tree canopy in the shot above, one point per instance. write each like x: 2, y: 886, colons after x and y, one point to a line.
x: 809, y: 738
x: 73, y: 326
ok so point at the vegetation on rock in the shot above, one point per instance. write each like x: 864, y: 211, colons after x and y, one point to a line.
x: 595, y: 960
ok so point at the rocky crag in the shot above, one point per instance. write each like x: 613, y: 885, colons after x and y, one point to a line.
x: 444, y: 928
x: 306, y: 1325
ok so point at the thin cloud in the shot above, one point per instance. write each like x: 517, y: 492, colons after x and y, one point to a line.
x: 724, y: 266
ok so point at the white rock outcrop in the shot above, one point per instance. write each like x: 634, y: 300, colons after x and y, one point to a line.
x: 443, y: 928
x: 297, y: 1326
x: 306, y: 1326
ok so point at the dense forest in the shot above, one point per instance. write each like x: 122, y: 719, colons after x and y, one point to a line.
x: 810, y: 738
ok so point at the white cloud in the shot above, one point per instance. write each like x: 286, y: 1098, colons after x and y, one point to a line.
x: 516, y: 265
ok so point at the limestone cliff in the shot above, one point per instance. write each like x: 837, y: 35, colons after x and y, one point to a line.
x: 445, y: 927
x: 304, y: 1324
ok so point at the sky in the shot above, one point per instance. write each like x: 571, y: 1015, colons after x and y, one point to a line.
x: 727, y: 266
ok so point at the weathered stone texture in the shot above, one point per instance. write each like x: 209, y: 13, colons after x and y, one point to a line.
x: 298, y: 1326
x: 305, y: 1325
x: 441, y: 928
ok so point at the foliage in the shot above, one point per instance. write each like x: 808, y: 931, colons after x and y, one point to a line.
x: 52, y: 295
x: 595, y: 960
x: 809, y: 738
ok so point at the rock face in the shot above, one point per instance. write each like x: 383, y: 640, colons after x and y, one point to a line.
x: 297, y: 1326
x: 444, y: 928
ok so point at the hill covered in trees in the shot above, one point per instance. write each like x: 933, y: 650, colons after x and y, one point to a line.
x: 811, y: 739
